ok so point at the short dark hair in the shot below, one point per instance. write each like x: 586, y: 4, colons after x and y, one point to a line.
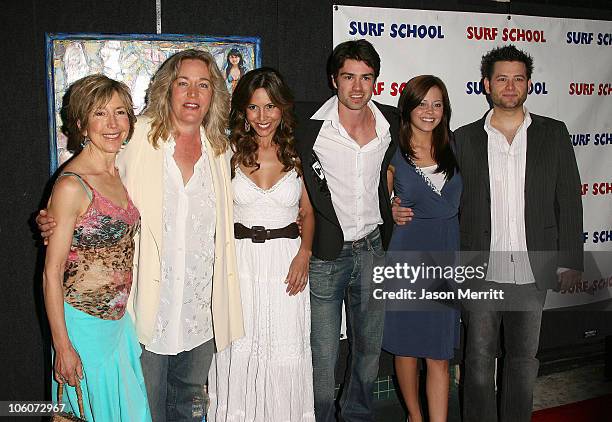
x: 507, y: 53
x: 360, y: 50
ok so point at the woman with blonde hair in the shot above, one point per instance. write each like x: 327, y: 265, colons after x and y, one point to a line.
x: 176, y: 171
x: 88, y: 267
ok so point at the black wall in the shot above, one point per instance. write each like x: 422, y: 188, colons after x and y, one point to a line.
x: 296, y: 39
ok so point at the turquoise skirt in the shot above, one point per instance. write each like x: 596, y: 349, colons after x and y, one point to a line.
x: 113, y: 386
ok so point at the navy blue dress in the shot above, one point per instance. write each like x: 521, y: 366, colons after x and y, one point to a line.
x: 434, y: 227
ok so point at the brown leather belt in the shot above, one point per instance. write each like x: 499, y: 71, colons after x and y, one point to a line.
x: 259, y: 234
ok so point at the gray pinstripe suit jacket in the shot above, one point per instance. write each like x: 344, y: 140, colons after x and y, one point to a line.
x: 553, y: 205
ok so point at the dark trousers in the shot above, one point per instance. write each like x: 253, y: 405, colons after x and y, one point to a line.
x: 521, y: 339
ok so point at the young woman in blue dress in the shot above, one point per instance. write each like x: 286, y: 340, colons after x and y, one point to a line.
x: 424, y: 175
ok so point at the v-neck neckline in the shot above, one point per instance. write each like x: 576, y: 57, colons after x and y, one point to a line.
x: 278, y: 182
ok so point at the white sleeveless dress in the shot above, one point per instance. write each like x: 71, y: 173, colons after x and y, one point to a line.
x: 267, y: 374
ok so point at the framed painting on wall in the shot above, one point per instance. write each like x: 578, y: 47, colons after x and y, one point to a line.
x: 132, y: 59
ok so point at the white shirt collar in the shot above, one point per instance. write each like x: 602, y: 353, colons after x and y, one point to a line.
x: 329, y: 113
x: 489, y: 128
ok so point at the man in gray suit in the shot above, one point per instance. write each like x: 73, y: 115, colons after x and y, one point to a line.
x: 521, y: 207
x: 521, y: 201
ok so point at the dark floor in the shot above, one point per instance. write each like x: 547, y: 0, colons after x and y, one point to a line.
x: 573, y: 384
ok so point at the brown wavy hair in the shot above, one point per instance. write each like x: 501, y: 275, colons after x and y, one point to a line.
x: 244, y: 143
x: 159, y: 100
x: 415, y: 90
x: 86, y: 95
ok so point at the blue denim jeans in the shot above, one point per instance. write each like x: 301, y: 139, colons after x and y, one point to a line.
x: 331, y: 283
x: 175, y: 383
x: 521, y: 340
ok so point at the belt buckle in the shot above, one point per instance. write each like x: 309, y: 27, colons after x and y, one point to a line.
x: 258, y: 234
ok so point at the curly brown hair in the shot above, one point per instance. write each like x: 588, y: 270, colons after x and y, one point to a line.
x: 243, y: 142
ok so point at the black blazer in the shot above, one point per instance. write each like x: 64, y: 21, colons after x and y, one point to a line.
x: 328, y: 237
x: 553, y: 205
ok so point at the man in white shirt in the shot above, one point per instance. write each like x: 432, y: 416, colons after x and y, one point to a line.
x: 521, y: 205
x: 345, y: 149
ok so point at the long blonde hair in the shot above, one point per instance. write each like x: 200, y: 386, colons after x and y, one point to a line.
x: 159, y: 101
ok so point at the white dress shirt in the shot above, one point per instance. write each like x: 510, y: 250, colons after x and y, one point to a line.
x: 509, y: 261
x: 184, y: 319
x: 352, y: 171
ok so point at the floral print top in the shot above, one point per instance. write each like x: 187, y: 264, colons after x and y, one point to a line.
x: 98, y: 271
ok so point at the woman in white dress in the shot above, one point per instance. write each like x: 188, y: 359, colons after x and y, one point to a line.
x: 267, y: 375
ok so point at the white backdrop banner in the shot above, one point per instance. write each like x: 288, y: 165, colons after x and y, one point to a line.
x: 572, y: 82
